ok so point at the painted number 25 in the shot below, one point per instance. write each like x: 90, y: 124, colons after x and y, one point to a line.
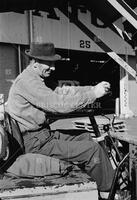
x: 84, y: 44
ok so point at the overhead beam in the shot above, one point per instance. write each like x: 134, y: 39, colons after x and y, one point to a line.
x: 98, y: 41
x: 123, y: 34
x: 124, y: 9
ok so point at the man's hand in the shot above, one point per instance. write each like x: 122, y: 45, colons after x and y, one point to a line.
x: 101, y: 89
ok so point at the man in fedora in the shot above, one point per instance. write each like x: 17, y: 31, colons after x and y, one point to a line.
x: 29, y: 102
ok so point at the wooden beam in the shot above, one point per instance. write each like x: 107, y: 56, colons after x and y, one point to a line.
x: 125, y: 10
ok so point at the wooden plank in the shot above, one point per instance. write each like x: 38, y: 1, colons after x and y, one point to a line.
x: 125, y: 10
x: 122, y: 33
x: 52, y: 192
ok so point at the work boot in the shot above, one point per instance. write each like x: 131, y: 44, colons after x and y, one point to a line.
x: 103, y: 195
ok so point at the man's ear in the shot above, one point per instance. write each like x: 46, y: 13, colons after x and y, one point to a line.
x: 35, y: 64
x: 32, y: 61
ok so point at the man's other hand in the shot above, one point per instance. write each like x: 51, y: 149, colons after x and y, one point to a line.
x: 101, y: 89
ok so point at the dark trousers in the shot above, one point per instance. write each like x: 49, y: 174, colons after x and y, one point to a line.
x: 75, y: 147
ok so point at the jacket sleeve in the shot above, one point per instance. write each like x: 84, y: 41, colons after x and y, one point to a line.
x: 53, y: 101
x: 71, y: 89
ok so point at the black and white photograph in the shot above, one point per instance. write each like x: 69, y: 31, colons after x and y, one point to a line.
x: 68, y: 100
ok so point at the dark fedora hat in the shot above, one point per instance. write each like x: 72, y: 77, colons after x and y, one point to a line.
x: 43, y: 51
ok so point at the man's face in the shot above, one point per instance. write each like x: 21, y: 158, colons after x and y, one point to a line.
x: 46, y: 67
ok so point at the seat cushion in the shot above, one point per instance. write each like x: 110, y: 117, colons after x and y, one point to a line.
x: 37, y: 165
